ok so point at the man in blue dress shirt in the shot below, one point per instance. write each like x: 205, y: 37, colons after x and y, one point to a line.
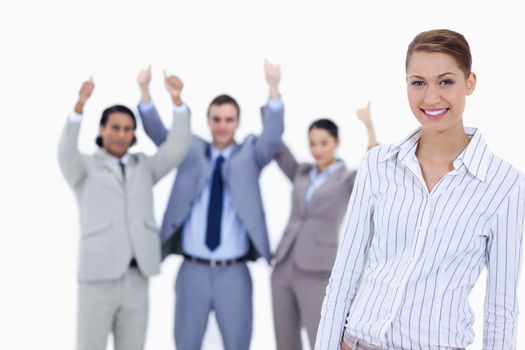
x: 215, y: 217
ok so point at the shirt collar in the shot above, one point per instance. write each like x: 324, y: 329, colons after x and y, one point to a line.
x: 332, y: 168
x: 124, y: 159
x: 475, y: 157
x: 225, y: 153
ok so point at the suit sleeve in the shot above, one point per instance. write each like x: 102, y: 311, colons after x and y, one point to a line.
x: 504, y: 251
x: 356, y: 232
x: 153, y: 125
x: 175, y: 147
x: 70, y: 160
x: 286, y: 161
x: 273, y: 127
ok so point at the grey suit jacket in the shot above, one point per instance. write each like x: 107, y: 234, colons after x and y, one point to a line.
x: 240, y: 175
x: 312, y: 232
x: 116, y: 214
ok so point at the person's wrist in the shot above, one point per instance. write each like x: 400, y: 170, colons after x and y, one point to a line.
x: 145, y: 95
x: 177, y: 101
x: 274, y: 92
x: 79, y: 106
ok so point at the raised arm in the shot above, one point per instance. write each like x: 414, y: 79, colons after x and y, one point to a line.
x: 153, y: 125
x: 356, y: 233
x: 286, y: 161
x: 504, y: 249
x: 364, y: 115
x: 174, y: 149
x: 272, y: 116
x: 70, y: 160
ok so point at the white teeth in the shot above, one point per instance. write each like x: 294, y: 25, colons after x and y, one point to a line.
x: 438, y: 112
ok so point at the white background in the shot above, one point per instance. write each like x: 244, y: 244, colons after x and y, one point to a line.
x: 335, y: 56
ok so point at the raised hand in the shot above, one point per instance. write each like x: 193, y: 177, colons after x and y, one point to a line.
x: 84, y: 94
x: 174, y: 86
x: 363, y: 114
x: 273, y: 77
x: 86, y: 90
x: 272, y: 72
x: 143, y: 79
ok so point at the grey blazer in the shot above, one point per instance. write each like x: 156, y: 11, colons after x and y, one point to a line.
x: 313, y: 231
x: 116, y: 214
x: 240, y: 174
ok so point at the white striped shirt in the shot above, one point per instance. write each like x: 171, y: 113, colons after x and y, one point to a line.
x: 408, y: 258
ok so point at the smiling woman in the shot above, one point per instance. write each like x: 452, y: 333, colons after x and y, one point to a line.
x: 307, y: 250
x: 426, y: 216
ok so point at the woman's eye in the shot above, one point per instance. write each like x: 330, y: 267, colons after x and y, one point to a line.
x: 417, y: 83
x: 446, y: 82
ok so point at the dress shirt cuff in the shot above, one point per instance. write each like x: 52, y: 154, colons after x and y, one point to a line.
x: 74, y: 117
x: 180, y: 109
x: 146, y: 106
x: 275, y: 105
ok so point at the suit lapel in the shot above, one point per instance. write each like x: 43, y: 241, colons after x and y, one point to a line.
x: 227, y: 165
x: 204, y: 171
x: 131, y: 167
x: 301, y: 186
x: 110, y: 164
x: 328, y: 186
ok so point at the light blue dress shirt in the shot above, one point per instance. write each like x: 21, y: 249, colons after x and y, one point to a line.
x: 234, y: 239
x: 318, y: 179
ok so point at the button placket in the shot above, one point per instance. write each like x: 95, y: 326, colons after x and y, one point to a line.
x: 416, y: 251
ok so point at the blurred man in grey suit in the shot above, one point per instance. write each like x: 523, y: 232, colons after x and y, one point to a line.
x: 215, y: 216
x: 119, y: 244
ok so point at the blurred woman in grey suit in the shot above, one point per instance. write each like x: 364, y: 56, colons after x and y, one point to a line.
x: 307, y: 251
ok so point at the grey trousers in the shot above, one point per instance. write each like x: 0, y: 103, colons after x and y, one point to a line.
x: 200, y: 289
x: 297, y: 297
x: 119, y: 307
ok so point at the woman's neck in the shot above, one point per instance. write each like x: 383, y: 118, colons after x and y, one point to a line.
x: 442, y: 146
x: 322, y: 167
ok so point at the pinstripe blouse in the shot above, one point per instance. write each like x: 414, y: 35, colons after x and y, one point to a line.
x: 408, y: 258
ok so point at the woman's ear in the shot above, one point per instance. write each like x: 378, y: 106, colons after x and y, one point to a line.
x: 471, y: 83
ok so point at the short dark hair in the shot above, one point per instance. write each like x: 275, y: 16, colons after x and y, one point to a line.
x: 223, y: 99
x: 325, y: 124
x: 444, y: 41
x: 116, y: 109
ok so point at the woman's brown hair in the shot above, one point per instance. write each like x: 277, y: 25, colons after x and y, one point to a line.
x: 443, y: 41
